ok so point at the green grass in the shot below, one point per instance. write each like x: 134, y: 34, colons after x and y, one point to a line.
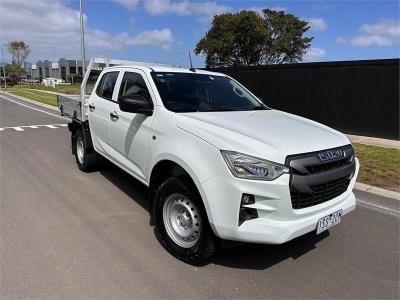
x: 43, y: 97
x: 379, y: 166
x: 63, y: 89
x: 39, y: 92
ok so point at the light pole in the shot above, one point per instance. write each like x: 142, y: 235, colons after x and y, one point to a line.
x: 82, y: 39
x: 4, y: 69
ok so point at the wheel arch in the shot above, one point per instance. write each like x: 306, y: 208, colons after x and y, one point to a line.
x: 169, y: 167
x: 73, y: 127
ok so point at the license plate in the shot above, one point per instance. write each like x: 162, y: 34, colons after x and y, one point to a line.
x: 329, y: 221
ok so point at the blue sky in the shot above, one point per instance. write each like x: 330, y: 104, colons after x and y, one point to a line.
x: 165, y: 30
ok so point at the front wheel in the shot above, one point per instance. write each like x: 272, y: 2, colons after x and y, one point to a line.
x: 87, y: 161
x: 181, y: 222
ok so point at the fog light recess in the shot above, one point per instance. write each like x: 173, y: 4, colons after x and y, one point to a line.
x: 247, y: 213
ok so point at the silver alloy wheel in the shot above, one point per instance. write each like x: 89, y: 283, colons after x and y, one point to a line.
x: 181, y: 220
x: 80, y: 151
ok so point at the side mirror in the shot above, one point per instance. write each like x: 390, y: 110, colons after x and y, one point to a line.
x: 135, y: 103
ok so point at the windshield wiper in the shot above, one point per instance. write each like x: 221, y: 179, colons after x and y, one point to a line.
x: 259, y: 108
x: 219, y: 109
x: 216, y: 109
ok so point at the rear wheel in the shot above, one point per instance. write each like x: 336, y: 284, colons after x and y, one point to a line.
x: 86, y: 160
x: 181, y: 222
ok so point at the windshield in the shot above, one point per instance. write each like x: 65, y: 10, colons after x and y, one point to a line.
x: 192, y: 92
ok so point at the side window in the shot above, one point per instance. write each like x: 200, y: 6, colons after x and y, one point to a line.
x: 133, y: 83
x: 106, y: 86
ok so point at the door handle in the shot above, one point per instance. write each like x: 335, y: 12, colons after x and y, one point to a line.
x: 92, y: 107
x: 114, y: 115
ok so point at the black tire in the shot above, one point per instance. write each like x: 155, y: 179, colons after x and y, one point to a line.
x: 89, y: 161
x: 206, y: 245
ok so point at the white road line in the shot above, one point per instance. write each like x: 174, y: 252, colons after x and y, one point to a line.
x: 21, y: 128
x: 380, y: 208
x: 33, y: 108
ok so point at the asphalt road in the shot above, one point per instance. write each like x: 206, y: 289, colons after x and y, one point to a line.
x: 67, y: 234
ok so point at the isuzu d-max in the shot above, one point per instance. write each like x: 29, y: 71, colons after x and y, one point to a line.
x: 219, y: 163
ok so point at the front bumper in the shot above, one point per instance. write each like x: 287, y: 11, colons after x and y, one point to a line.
x: 277, y: 221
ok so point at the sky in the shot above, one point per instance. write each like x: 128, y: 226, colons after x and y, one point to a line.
x: 165, y: 31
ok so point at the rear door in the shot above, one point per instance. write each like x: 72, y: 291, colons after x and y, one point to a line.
x: 130, y: 132
x: 100, y: 104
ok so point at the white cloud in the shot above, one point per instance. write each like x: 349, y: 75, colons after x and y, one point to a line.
x: 371, y: 40
x: 317, y: 24
x: 160, y: 38
x: 204, y: 10
x: 314, y: 54
x: 163, y: 7
x: 52, y: 31
x: 390, y: 28
x: 383, y: 33
x: 129, y: 4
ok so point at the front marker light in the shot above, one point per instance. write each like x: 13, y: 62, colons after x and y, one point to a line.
x: 250, y: 167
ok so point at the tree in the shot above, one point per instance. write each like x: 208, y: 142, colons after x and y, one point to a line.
x: 286, y: 43
x: 234, y: 40
x: 246, y: 39
x: 19, y: 52
x: 13, y: 71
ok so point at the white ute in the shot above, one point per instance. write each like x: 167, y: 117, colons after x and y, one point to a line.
x: 219, y: 164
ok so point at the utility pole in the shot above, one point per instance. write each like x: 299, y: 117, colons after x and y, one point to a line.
x: 4, y: 69
x: 83, y: 87
x: 82, y: 39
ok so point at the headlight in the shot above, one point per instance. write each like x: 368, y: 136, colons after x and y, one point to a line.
x: 250, y: 167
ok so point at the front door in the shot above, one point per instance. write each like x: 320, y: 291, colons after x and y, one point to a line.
x: 130, y: 132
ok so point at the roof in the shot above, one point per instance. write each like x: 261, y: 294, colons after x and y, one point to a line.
x: 161, y: 68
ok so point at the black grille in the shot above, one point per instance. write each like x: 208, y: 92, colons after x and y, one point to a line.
x: 314, y: 181
x: 320, y: 193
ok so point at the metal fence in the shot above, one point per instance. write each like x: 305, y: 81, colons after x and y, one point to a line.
x: 355, y: 97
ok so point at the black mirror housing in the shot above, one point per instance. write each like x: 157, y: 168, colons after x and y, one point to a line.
x: 135, y: 103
